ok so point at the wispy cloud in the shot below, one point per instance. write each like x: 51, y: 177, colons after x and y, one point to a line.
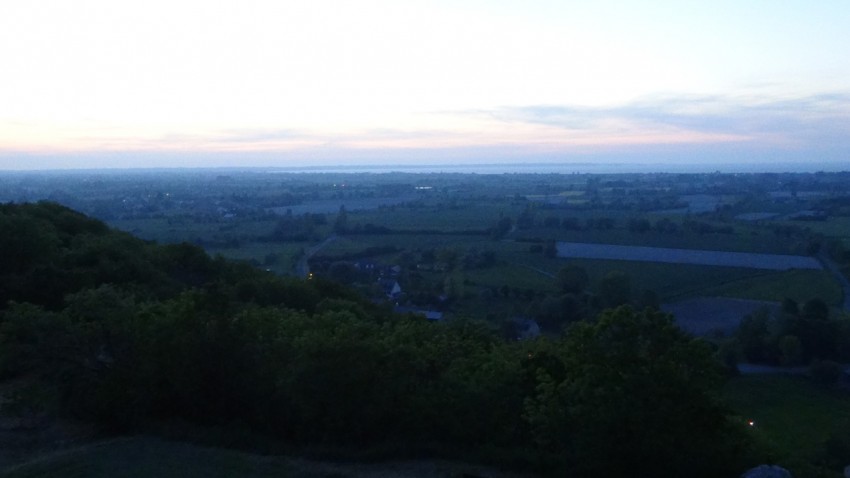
x: 664, y: 128
x: 260, y: 135
x: 803, y: 120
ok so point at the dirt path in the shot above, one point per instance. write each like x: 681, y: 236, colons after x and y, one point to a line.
x: 26, y: 432
x: 302, y: 269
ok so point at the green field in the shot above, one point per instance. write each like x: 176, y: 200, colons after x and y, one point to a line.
x: 669, y: 281
x: 285, y: 254
x: 523, y: 269
x: 458, y: 209
x: 513, y: 275
x: 800, y: 285
x: 835, y: 227
x: 351, y: 244
x: 744, y: 240
x: 484, y: 214
x: 465, y: 216
x: 189, y: 229
x: 793, y: 418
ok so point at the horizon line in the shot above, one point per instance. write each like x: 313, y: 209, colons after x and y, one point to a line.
x: 539, y: 167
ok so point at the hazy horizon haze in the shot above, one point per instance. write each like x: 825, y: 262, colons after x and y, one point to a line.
x: 94, y: 83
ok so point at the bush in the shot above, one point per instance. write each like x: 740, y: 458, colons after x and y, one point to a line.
x: 825, y: 372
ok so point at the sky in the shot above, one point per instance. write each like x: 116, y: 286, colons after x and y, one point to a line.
x: 110, y: 83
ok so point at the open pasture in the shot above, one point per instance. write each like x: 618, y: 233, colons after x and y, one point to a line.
x: 352, y: 244
x: 278, y: 257
x: 669, y: 281
x: 747, y: 238
x: 517, y: 267
x: 834, y: 227
x: 332, y: 206
x: 800, y: 285
x: 512, y: 275
x: 479, y: 215
x: 685, y: 256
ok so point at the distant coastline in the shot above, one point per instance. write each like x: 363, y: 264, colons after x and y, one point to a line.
x: 486, y: 168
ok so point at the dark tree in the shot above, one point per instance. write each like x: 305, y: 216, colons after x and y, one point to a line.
x: 572, y: 279
x: 615, y: 289
x: 636, y: 380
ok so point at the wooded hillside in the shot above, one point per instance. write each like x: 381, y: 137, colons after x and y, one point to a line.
x: 118, y: 331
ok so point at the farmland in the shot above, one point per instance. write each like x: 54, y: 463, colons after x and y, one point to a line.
x: 523, y: 255
x: 686, y: 256
x: 674, y: 236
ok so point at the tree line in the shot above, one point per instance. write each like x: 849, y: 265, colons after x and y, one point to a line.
x: 120, y: 332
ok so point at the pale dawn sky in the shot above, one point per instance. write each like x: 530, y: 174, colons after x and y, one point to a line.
x: 109, y: 83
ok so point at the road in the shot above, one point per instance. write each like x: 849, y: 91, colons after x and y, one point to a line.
x: 302, y: 269
x: 535, y: 269
x: 832, y: 267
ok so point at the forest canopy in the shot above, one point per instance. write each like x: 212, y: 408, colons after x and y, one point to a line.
x: 119, y: 332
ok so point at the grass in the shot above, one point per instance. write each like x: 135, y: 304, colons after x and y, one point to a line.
x: 512, y: 275
x: 742, y: 241
x: 793, y: 417
x: 463, y: 216
x: 678, y: 281
x: 800, y: 285
x: 147, y: 457
x: 286, y: 254
x: 834, y: 227
x: 520, y: 268
x: 356, y: 243
x: 669, y: 281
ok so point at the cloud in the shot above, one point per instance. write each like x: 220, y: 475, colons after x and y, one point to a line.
x: 668, y: 129
x: 799, y: 122
x: 260, y: 135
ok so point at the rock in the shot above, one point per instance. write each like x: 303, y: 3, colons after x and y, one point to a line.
x: 767, y: 471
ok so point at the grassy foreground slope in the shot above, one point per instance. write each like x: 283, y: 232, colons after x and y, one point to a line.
x: 796, y: 423
x: 790, y: 413
x: 793, y: 420
x: 148, y: 457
